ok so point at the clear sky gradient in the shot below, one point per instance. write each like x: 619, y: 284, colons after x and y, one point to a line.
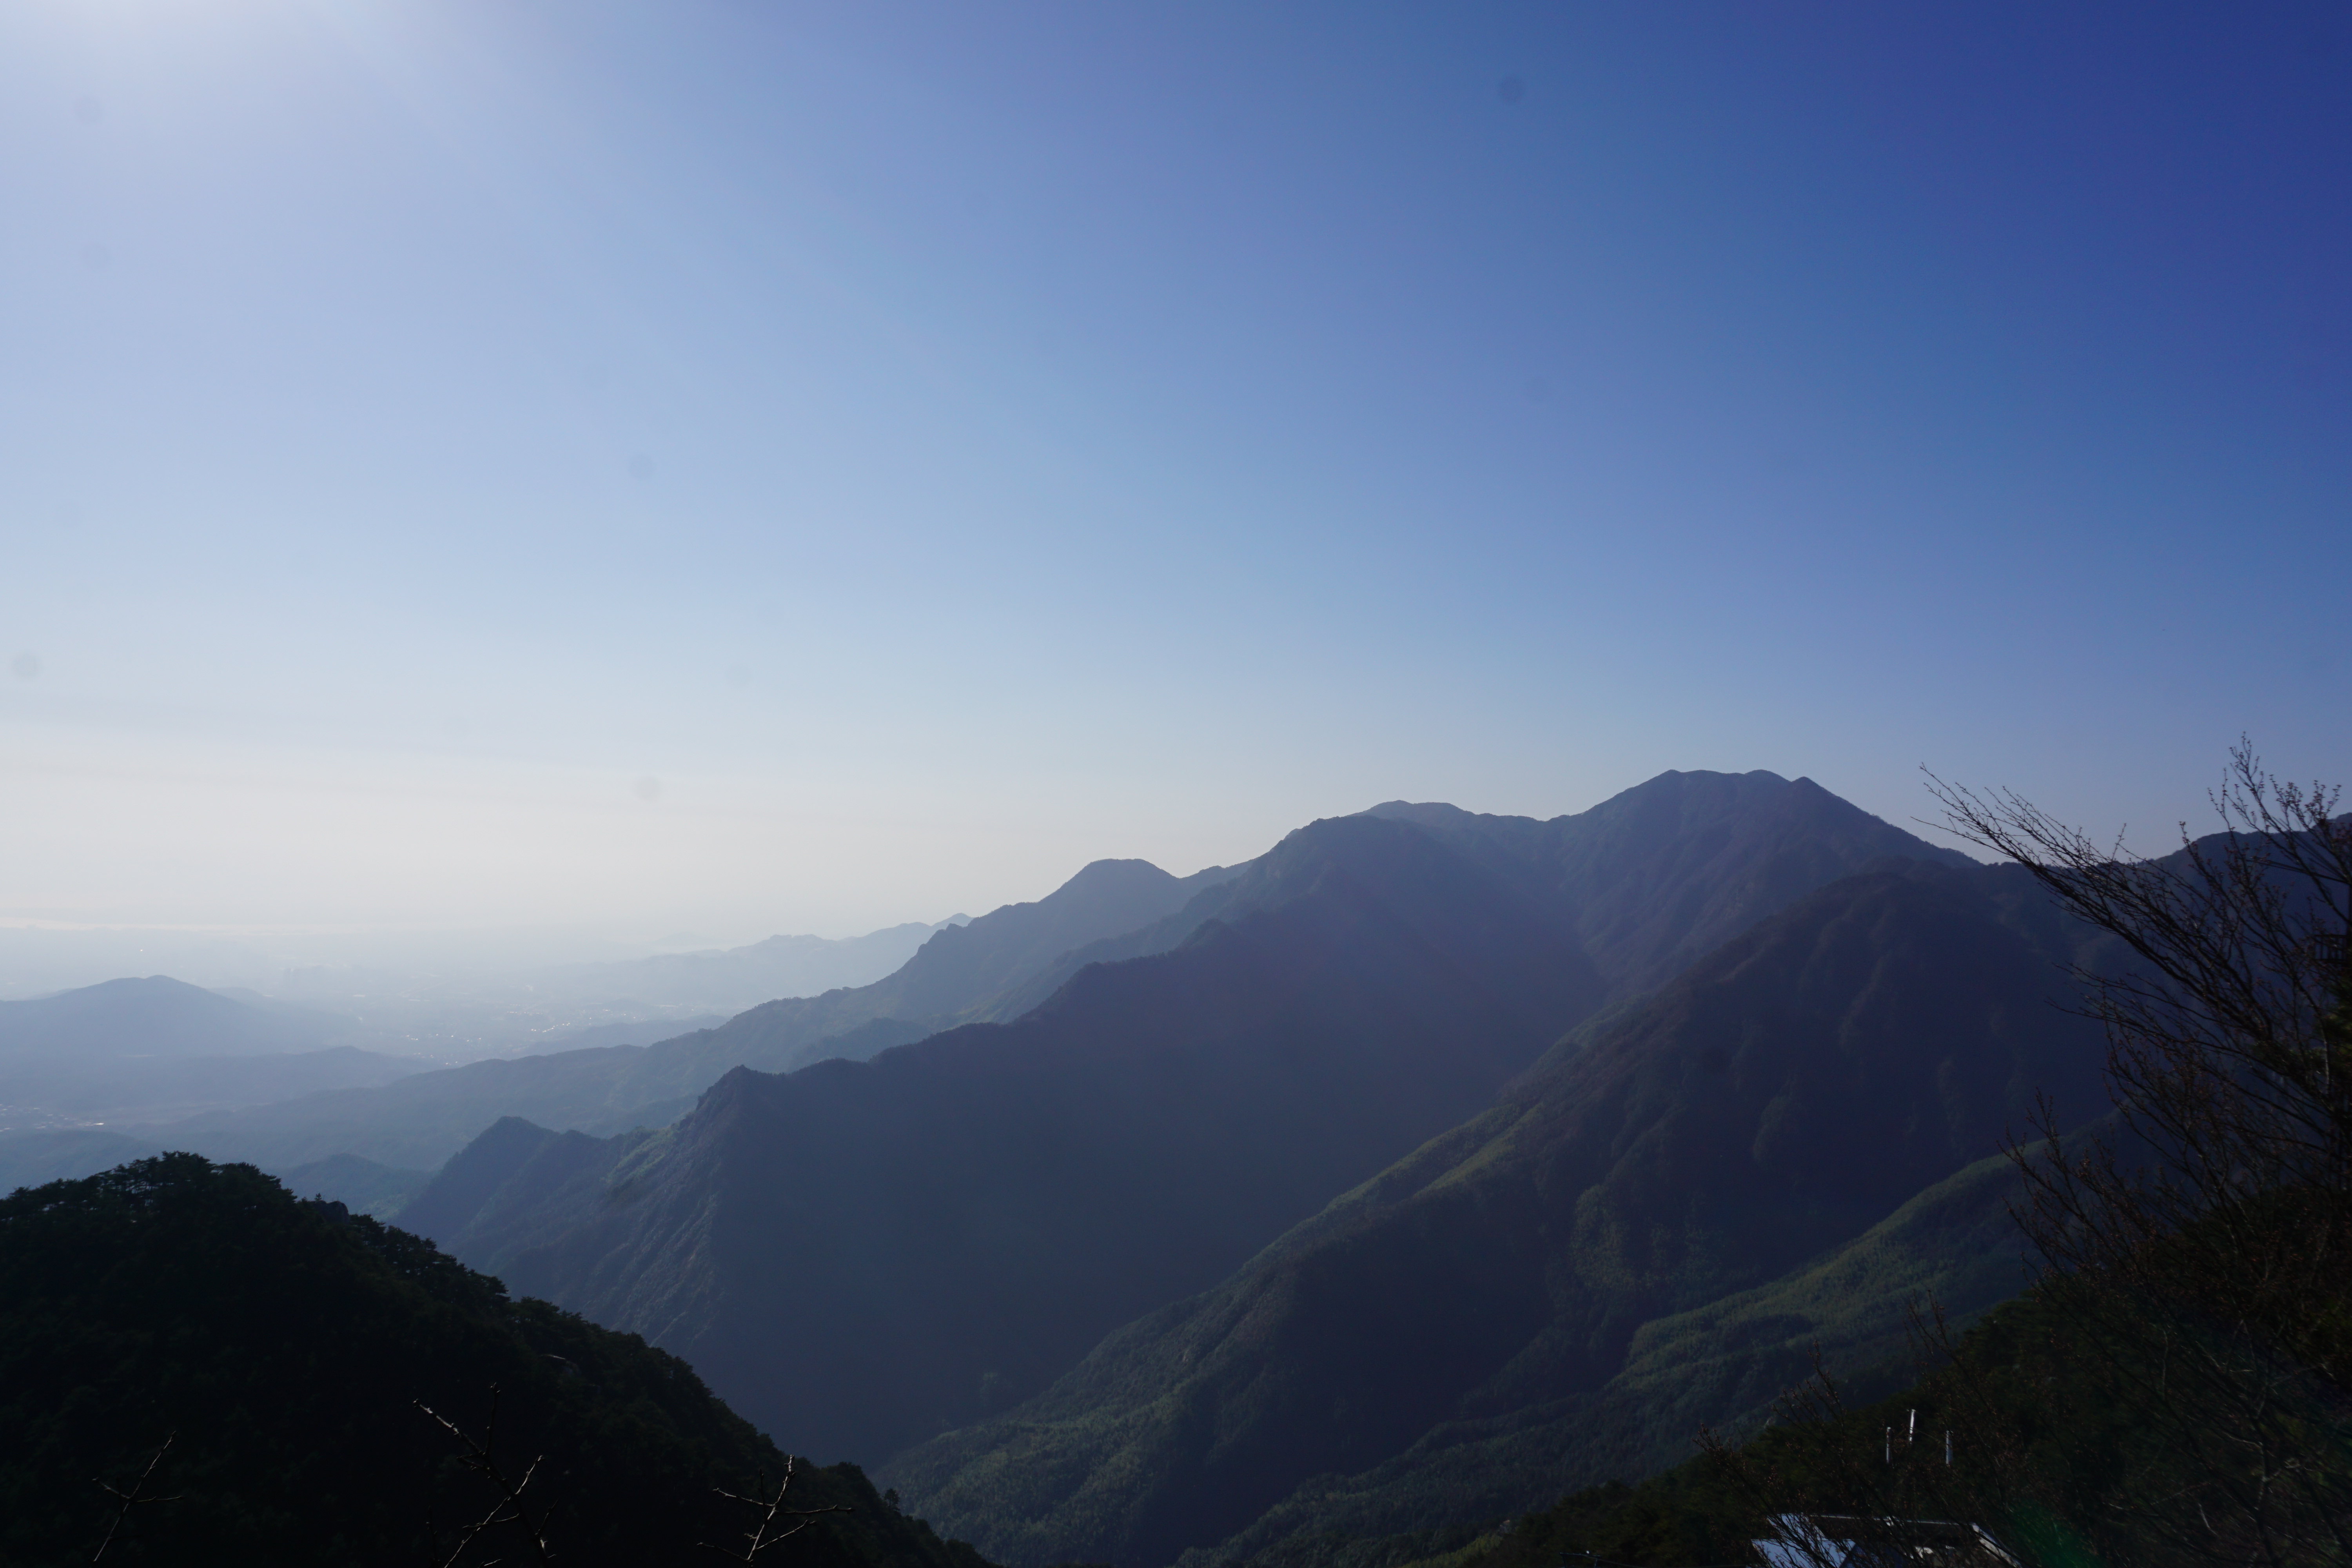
x: 776, y: 467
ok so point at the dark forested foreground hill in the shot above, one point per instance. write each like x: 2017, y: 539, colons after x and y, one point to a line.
x: 282, y: 1349
x: 1551, y: 1293
x: 865, y: 1253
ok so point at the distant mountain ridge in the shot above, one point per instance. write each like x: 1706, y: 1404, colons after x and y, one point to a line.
x: 728, y: 980
x: 962, y: 971
x: 1666, y: 873
x: 1650, y: 878
x: 154, y: 1050
x: 859, y: 1252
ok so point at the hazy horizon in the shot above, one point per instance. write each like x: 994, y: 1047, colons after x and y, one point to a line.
x: 753, y: 470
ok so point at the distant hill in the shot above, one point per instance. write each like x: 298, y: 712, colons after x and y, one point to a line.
x: 282, y: 1350
x: 1550, y: 1293
x: 156, y: 1049
x: 960, y: 970
x: 728, y: 980
x: 29, y: 1157
x: 156, y: 1017
x: 869, y: 1253
x: 362, y: 1186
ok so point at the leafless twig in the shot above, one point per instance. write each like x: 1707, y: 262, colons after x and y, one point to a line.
x: 758, y: 1539
x: 510, y: 1508
x: 127, y: 1500
x: 2208, y: 1242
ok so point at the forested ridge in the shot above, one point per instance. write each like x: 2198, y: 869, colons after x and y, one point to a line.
x: 270, y: 1379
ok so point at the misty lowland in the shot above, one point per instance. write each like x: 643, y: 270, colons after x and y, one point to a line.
x: 1719, y: 1174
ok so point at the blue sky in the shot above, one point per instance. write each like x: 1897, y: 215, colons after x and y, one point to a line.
x: 806, y: 466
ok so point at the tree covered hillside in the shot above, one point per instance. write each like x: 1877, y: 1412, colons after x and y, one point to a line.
x: 273, y: 1361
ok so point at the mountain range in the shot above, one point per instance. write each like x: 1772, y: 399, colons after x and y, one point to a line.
x: 961, y: 1259
x: 1426, y: 1167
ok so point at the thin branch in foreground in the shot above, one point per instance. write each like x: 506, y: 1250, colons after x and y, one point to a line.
x: 510, y: 1508
x: 759, y: 1538
x: 127, y: 1500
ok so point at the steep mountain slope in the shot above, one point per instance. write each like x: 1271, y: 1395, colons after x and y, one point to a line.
x: 954, y: 1222
x: 1721, y: 1365
x: 421, y: 1120
x: 862, y: 1252
x: 1471, y: 1304
x: 270, y: 1357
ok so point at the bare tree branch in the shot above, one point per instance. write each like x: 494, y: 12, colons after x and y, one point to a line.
x: 127, y: 1500
x: 759, y: 1538
x: 509, y: 1508
x: 2211, y: 1243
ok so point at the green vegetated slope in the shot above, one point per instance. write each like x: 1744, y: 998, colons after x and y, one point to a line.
x: 422, y: 1120
x: 1522, y: 1304
x: 868, y: 1253
x: 2051, y: 1452
x: 282, y: 1348
x: 1721, y: 1366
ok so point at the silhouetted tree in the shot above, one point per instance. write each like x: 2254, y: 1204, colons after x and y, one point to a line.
x: 2204, y: 1254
